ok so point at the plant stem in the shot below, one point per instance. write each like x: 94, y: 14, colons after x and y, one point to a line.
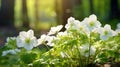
x: 80, y: 62
x: 89, y: 50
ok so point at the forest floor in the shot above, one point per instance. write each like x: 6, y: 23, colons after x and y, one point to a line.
x: 108, y: 64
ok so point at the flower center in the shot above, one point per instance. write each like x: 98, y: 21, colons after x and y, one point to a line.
x: 81, y: 28
x: 92, y: 24
x: 27, y: 40
x: 105, y: 32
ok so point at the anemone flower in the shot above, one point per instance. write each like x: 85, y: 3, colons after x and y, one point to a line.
x: 106, y: 32
x: 26, y: 40
x: 70, y: 23
x: 92, y: 22
x: 46, y: 39
x: 55, y: 30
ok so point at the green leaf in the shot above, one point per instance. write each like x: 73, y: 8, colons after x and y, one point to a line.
x: 28, y: 57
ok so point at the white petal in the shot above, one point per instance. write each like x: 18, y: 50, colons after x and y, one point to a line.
x: 67, y: 26
x: 40, y: 41
x: 93, y: 17
x: 30, y: 33
x: 59, y: 27
x: 22, y: 34
x: 62, y: 33
x: 4, y: 53
x: 117, y: 31
x: 102, y: 37
x: 98, y: 24
x: 50, y: 38
x: 50, y: 44
x: 54, y: 30
x: 107, y: 26
x: 17, y: 50
x: 70, y: 20
x: 34, y: 42
x: 19, y: 42
x: 28, y: 46
x: 118, y: 26
x: 12, y: 52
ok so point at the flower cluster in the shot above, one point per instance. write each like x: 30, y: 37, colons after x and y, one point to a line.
x: 28, y: 41
x: 10, y: 52
x: 82, y: 43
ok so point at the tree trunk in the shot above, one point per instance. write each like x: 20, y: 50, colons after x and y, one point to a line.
x: 58, y: 11
x: 66, y: 10
x: 37, y: 11
x: 7, y: 13
x: 115, y: 14
x: 76, y: 2
x: 25, y: 14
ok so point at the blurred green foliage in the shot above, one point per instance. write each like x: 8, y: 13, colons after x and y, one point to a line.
x: 47, y: 14
x: 101, y: 8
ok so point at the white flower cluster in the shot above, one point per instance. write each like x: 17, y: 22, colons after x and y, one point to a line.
x: 14, y: 51
x: 50, y: 36
x: 90, y: 24
x: 87, y: 26
x: 28, y: 41
x: 106, y: 32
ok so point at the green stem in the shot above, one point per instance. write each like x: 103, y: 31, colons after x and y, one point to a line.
x: 89, y: 50
x: 80, y: 63
x: 80, y: 60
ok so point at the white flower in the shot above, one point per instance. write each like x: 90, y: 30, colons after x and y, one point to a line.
x: 62, y: 33
x: 17, y: 50
x: 50, y: 40
x: 45, y: 38
x: 84, y: 50
x: 50, y: 44
x: 42, y: 39
x: 70, y: 23
x: 106, y: 32
x: 117, y: 31
x: 4, y: 53
x: 118, y: 26
x: 55, y: 30
x: 76, y: 25
x: 81, y: 27
x: 26, y: 40
x: 10, y: 38
x: 92, y: 22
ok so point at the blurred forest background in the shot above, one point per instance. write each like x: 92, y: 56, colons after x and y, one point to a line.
x: 40, y: 15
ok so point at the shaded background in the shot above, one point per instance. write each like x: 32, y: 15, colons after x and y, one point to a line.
x: 40, y: 15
